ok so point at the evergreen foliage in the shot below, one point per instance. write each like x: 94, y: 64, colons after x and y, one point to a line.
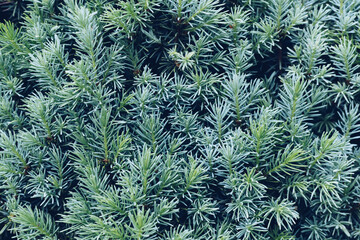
x: 180, y: 119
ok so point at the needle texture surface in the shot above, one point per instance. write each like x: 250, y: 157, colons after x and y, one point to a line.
x: 180, y: 120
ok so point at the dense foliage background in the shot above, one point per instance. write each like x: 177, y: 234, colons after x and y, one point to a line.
x: 179, y: 119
